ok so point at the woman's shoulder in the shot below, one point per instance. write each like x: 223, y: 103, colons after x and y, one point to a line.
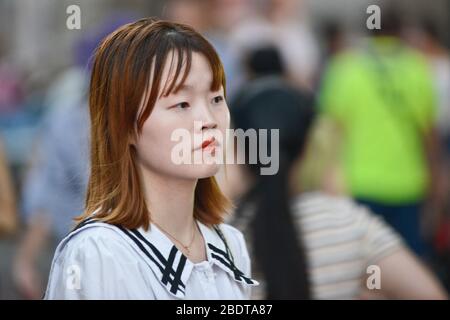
x: 235, y: 240
x: 94, y: 240
x: 92, y: 254
x: 320, y: 211
x: 329, y: 206
x: 230, y: 230
x: 232, y: 234
x: 340, y: 218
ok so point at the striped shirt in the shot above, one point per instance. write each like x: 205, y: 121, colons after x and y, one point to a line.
x: 341, y: 239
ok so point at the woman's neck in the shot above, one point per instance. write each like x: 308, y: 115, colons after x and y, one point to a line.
x: 170, y: 202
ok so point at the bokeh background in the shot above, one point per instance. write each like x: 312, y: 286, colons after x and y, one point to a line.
x: 44, y: 73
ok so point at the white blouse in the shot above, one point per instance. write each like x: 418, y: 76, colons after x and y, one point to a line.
x: 103, y: 261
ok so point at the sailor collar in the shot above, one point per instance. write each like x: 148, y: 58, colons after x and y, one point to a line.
x: 170, y: 266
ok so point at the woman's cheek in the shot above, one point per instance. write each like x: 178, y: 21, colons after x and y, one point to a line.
x: 224, y: 118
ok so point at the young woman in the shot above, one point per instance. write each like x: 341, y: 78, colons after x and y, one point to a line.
x: 152, y: 228
x: 320, y: 246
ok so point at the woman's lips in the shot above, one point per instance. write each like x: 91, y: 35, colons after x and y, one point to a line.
x: 209, y: 146
x: 209, y: 142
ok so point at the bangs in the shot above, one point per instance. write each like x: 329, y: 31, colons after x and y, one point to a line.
x: 182, y: 57
x: 176, y: 50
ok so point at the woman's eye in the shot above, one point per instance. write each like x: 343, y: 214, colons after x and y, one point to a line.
x: 182, y: 105
x: 217, y: 99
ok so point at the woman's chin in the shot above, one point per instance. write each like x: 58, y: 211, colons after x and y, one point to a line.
x: 206, y: 170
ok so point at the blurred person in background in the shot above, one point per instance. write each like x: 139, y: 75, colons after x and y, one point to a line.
x: 426, y: 39
x: 382, y: 100
x: 333, y: 37
x: 311, y: 245
x: 439, y: 59
x: 16, y: 110
x: 53, y: 194
x: 321, y: 168
x: 55, y: 184
x: 283, y: 23
x: 14, y: 125
x: 236, y: 27
x: 11, y: 90
x: 216, y: 26
x: 333, y: 42
x: 190, y: 12
x: 10, y: 97
x: 8, y: 219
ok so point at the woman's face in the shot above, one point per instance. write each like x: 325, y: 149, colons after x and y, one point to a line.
x: 190, y: 123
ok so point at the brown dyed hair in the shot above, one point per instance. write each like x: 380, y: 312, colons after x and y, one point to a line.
x: 123, y: 65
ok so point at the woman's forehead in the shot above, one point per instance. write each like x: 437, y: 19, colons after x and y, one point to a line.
x: 194, y: 75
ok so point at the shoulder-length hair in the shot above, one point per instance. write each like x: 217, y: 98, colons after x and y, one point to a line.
x: 123, y: 64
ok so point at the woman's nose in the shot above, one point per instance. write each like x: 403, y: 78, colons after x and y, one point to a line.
x: 208, y: 119
x: 209, y: 125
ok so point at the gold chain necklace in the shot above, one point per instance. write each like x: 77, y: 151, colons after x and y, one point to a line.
x: 186, y: 247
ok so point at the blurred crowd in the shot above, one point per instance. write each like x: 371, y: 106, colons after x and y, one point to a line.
x: 376, y: 141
